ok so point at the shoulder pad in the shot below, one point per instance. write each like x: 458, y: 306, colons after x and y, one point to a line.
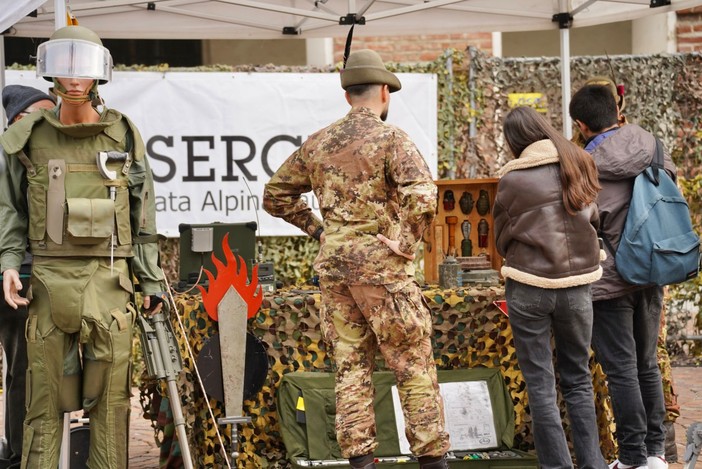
x: 125, y: 128
x: 17, y: 134
x: 139, y: 149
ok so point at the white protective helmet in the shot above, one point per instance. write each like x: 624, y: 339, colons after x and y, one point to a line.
x: 74, y: 52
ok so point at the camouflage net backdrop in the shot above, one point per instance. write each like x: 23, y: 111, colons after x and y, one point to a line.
x: 469, y: 331
x: 663, y: 95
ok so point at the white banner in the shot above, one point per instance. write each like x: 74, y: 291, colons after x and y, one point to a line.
x: 214, y: 139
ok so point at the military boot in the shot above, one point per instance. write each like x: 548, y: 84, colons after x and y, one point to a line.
x: 363, y: 462
x: 433, y: 462
x: 671, y: 449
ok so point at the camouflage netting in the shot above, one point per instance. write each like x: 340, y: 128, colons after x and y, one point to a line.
x: 663, y: 95
x: 468, y: 332
x: 672, y: 108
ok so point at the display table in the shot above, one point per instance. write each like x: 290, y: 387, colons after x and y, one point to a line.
x: 469, y: 331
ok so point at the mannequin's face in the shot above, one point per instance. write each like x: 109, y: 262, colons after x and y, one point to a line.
x: 76, y: 86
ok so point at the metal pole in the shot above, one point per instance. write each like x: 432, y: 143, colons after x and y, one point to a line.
x: 4, y: 117
x: 565, y: 82
x: 65, y: 454
x: 565, y: 74
x: 451, y: 156
x: 60, y: 19
x: 167, y: 356
x: 473, y: 130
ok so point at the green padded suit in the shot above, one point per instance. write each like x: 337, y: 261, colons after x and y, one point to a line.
x: 79, y: 331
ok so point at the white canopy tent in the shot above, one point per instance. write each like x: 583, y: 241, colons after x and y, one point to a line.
x: 277, y: 19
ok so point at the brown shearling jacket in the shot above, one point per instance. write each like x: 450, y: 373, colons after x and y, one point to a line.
x: 543, y: 245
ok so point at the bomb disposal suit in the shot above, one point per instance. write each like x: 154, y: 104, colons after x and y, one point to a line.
x: 89, y: 231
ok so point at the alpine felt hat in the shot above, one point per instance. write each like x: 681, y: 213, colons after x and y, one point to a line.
x: 365, y: 67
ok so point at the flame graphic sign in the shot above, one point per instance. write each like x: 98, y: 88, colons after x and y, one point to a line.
x: 230, y: 276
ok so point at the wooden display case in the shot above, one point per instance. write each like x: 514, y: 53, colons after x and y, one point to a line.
x: 446, y: 229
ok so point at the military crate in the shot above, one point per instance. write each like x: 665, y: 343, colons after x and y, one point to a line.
x: 479, y: 418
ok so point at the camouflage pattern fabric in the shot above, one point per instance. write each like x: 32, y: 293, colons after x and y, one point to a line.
x: 672, y: 408
x: 369, y: 179
x: 468, y: 332
x: 393, y: 320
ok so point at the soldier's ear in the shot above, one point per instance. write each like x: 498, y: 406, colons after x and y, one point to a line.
x: 385, y: 93
x: 348, y: 98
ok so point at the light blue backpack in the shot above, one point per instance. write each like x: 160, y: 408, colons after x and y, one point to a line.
x: 658, y: 245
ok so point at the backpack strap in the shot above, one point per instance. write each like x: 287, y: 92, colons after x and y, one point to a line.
x: 656, y: 163
x: 605, y: 239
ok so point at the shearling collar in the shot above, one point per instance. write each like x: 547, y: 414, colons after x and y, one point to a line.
x: 538, y: 153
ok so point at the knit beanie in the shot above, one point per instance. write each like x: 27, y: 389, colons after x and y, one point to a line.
x: 17, y: 98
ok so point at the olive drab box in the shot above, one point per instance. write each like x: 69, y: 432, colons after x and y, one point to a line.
x: 477, y: 406
x: 199, y: 242
x: 658, y: 245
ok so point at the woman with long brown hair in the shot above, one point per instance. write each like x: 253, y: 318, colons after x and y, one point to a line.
x: 546, y: 229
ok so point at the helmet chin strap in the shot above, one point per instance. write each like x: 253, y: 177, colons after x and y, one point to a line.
x: 91, y: 95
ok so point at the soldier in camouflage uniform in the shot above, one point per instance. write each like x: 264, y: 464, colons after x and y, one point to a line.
x: 90, y: 223
x: 377, y: 197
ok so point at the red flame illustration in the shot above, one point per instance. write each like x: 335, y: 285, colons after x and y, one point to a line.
x: 227, y: 276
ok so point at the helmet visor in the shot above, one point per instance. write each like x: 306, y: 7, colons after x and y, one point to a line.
x: 74, y: 58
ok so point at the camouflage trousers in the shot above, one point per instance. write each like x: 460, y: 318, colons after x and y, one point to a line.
x: 79, y: 337
x: 356, y: 322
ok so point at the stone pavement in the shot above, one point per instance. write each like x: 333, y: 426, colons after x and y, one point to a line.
x: 143, y: 453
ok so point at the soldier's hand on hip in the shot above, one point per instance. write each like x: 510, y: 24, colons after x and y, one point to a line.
x: 11, y: 287
x: 394, y: 246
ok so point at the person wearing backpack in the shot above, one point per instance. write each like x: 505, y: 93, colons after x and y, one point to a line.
x: 626, y: 316
x: 672, y: 407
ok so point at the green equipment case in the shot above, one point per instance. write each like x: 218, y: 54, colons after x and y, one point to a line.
x: 479, y: 411
x: 199, y: 242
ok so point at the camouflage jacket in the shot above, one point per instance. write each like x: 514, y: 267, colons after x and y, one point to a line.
x: 369, y: 178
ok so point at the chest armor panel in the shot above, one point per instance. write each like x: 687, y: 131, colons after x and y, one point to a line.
x: 75, y: 210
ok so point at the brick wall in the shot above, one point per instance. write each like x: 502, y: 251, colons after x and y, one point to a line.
x: 689, y: 30
x: 428, y: 47
x: 420, y: 48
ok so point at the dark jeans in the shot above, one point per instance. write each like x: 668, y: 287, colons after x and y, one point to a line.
x: 624, y: 337
x: 12, y: 324
x: 535, y: 315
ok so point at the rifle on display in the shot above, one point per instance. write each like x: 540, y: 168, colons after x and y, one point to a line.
x: 163, y: 361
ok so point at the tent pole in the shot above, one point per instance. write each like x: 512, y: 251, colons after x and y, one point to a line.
x: 565, y: 82
x: 3, y: 121
x: 60, y: 19
x: 565, y: 73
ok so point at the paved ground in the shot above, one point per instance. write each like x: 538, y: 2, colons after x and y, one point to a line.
x: 688, y: 382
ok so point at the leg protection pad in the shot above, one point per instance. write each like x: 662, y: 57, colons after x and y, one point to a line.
x: 94, y: 373
x: 69, y: 396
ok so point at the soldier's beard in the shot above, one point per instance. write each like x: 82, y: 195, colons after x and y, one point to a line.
x: 384, y: 114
